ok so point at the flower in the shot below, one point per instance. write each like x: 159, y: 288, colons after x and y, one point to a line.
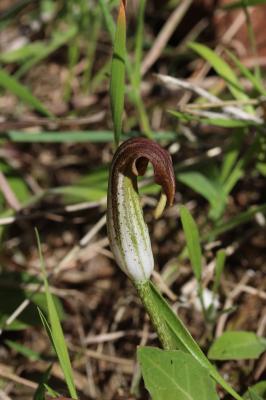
x: 127, y: 230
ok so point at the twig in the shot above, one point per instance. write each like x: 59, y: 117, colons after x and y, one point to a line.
x: 164, y: 35
x: 67, y: 122
x: 194, y: 88
x: 250, y: 290
x: 13, y: 377
x: 230, y: 301
x: 4, y: 396
x: 67, y: 209
x: 227, y: 37
x: 226, y: 103
x: 84, y: 241
x: 104, y: 357
x: 112, y: 336
x: 88, y: 367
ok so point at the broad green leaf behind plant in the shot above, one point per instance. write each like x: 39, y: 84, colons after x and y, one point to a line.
x: 237, y: 345
x: 173, y: 375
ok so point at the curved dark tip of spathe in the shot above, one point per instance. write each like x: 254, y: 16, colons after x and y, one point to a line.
x: 133, y: 157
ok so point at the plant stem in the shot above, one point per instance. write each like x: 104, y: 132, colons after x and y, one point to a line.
x: 146, y: 296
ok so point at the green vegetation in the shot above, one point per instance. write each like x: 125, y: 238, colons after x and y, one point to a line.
x: 72, y: 88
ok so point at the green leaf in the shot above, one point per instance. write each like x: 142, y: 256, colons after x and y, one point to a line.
x: 40, y: 391
x: 227, y: 122
x: 219, y: 267
x: 11, y: 84
x: 14, y: 9
x: 57, y: 332
x: 139, y: 43
x: 223, y: 122
x: 59, y: 39
x: 21, y: 53
x: 259, y: 388
x: 175, y: 375
x: 222, y: 68
x: 241, y: 3
x: 236, y: 221
x: 237, y: 345
x: 183, y: 339
x: 253, y: 395
x: 193, y: 242
x: 117, y: 85
x: 11, y: 288
x: 78, y: 193
x: 25, y: 351
x: 77, y: 136
x: 16, y: 182
x: 230, y: 156
x: 257, y: 84
x: 109, y: 22
x: 210, y: 190
x: 51, y: 392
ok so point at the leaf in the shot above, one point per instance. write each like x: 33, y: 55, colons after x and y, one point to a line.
x: 230, y: 156
x: 22, y: 53
x: 234, y: 222
x: 259, y: 388
x: 16, y: 183
x: 237, y: 345
x: 23, y: 93
x: 117, y: 85
x: 59, y: 39
x: 222, y: 68
x: 240, y: 4
x: 11, y: 288
x: 193, y: 242
x: 253, y: 395
x: 212, y: 192
x: 174, y: 375
x: 257, y: 84
x: 107, y: 18
x: 219, y: 267
x: 77, y: 136
x: 139, y: 43
x: 225, y: 122
x: 57, y: 332
x: 77, y: 193
x: 25, y: 351
x: 40, y: 391
x: 183, y: 339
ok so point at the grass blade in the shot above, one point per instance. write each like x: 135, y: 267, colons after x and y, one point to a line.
x: 219, y: 267
x: 117, y: 85
x: 139, y: 43
x: 57, y: 332
x: 234, y: 222
x: 239, y: 4
x: 222, y: 68
x: 77, y: 136
x: 246, y: 72
x: 59, y: 39
x: 109, y: 22
x: 40, y: 391
x: 23, y: 93
x: 193, y: 242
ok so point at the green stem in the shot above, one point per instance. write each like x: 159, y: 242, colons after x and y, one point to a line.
x: 146, y: 296
x: 172, y: 332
